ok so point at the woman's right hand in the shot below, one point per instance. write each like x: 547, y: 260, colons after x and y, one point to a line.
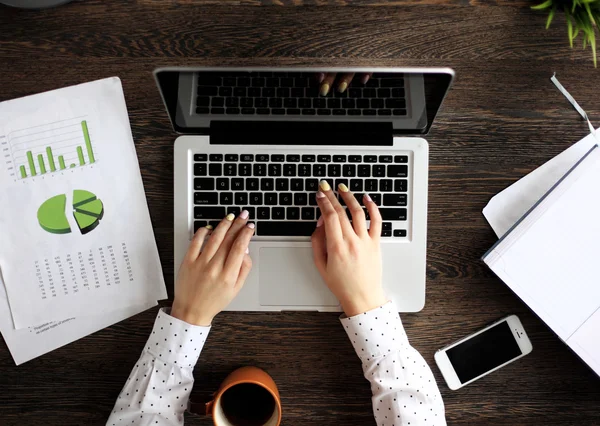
x: 348, y: 255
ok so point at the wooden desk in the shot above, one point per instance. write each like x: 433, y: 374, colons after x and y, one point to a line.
x: 502, y: 119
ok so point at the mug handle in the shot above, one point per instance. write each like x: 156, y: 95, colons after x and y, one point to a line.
x: 201, y: 409
x: 209, y: 408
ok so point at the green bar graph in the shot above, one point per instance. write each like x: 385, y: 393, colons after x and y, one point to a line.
x: 88, y: 143
x: 31, y: 163
x: 50, y: 159
x: 61, y: 162
x: 80, y: 156
x: 42, y: 165
x: 23, y: 172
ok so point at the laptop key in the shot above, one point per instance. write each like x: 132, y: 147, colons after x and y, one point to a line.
x: 349, y: 170
x: 285, y: 199
x: 234, y: 210
x: 378, y: 170
x: 339, y: 158
x: 259, y: 169
x: 241, y: 198
x: 400, y: 233
x: 200, y: 169
x: 230, y: 169
x: 364, y: 170
x: 247, y: 157
x: 400, y: 185
x: 304, y: 170
x: 292, y: 158
x: 334, y: 170
x: 256, y: 198
x: 395, y: 103
x: 293, y: 213
x: 262, y: 158
x: 209, y: 212
x: 222, y: 184
x: 369, y: 112
x: 275, y: 169
x: 377, y: 103
x: 277, y: 158
x: 376, y: 198
x: 312, y: 199
x: 319, y: 170
x: 300, y: 199
x: 392, y: 214
x: 289, y: 170
x: 232, y: 111
x: 215, y: 157
x: 384, y: 112
x: 226, y: 198
x: 252, y: 184
x: 340, y: 181
x: 202, y: 102
x: 263, y: 213
x: 318, y: 103
x: 271, y: 198
x: 207, y: 198
x: 261, y: 102
x: 356, y: 185
x: 199, y: 224
x: 308, y: 213
x: 394, y: 199
x: 248, y: 111
x: 311, y: 185
x: 200, y: 157
x: 308, y: 158
x: 231, y: 157
x: 245, y: 169
x: 339, y: 112
x: 251, y: 212
x: 297, y: 185
x: 282, y: 184
x: 290, y: 103
x: 207, y: 91
x: 386, y: 233
x: 354, y: 112
x: 308, y: 112
x: 385, y: 185
x: 401, y: 159
x: 399, y: 112
x: 324, y: 158
x: 215, y: 169
x: 323, y: 112
x: 397, y: 171
x: 237, y: 184
x: 278, y: 213
x: 398, y: 93
x: 293, y: 111
x: 204, y: 184
x: 370, y: 158
x: 231, y: 102
x: 278, y: 111
x: 267, y: 184
x: 371, y: 185
x: 285, y: 229
x: 355, y: 158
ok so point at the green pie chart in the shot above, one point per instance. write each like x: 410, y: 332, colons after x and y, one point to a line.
x: 87, y: 210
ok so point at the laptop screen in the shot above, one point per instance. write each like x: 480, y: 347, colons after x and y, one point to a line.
x: 405, y: 101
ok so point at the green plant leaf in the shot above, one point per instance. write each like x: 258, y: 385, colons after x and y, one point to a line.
x: 550, y: 16
x: 543, y: 6
x: 593, y: 46
x: 569, y: 27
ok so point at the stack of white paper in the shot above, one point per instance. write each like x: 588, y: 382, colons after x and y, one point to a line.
x: 77, y: 250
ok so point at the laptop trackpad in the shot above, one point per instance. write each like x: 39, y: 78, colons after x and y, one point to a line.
x: 288, y: 277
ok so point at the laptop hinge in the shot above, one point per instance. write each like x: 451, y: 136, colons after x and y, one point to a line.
x: 300, y: 133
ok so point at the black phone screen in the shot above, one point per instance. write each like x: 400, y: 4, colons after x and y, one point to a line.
x: 484, y: 352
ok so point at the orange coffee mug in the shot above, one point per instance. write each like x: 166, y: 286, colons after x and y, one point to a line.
x: 247, y: 397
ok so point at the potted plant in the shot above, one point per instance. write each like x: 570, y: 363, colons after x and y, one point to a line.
x: 583, y: 17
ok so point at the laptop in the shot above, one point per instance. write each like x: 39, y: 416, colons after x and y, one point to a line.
x: 261, y: 139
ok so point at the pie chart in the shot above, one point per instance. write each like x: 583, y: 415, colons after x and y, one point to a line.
x: 87, y: 210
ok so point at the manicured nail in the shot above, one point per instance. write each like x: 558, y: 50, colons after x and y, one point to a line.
x: 320, y: 77
x: 209, y: 227
x: 320, y: 222
x: 244, y: 214
x: 247, y: 250
x: 230, y: 217
x: 343, y: 187
x: 343, y: 87
x: 368, y: 198
x: 365, y: 78
x: 320, y: 195
x: 324, y: 89
x: 251, y: 225
x: 324, y: 185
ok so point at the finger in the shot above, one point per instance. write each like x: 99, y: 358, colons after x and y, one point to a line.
x: 319, y: 246
x: 344, y: 81
x: 215, y: 240
x: 244, y: 271
x: 331, y: 220
x: 236, y: 227
x: 236, y: 254
x: 374, y: 215
x: 366, y: 77
x: 327, y: 83
x: 359, y: 221
x: 343, y: 216
x: 320, y: 76
x: 197, y: 243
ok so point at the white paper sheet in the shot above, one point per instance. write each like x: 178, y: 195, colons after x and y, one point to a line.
x: 60, y: 259
x: 29, y: 343
x: 508, y: 206
x: 586, y: 342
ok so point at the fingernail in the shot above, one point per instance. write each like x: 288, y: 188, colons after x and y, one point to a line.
x: 209, y: 227
x: 320, y: 77
x: 343, y: 187
x: 320, y: 195
x: 324, y: 89
x: 247, y: 250
x: 368, y: 198
x: 343, y: 87
x: 251, y: 225
x: 320, y: 222
x: 365, y: 78
x: 324, y: 185
x: 230, y: 217
x: 244, y: 214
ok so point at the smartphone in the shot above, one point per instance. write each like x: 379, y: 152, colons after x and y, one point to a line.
x: 479, y: 354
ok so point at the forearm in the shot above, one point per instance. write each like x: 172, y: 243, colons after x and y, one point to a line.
x: 404, y: 389
x: 159, y: 386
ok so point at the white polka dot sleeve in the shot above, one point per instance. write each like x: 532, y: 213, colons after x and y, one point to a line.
x: 404, y: 389
x: 159, y: 386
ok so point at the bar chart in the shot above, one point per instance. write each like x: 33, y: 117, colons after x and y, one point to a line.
x: 51, y: 148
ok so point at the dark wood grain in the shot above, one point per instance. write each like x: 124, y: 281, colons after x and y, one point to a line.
x: 502, y: 119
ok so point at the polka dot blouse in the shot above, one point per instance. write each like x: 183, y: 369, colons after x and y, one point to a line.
x: 404, y: 389
x: 159, y: 386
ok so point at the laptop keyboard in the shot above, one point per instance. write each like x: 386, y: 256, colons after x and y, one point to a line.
x: 297, y: 94
x: 279, y: 190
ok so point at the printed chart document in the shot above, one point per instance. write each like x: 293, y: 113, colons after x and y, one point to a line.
x: 74, y: 224
x: 28, y: 343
